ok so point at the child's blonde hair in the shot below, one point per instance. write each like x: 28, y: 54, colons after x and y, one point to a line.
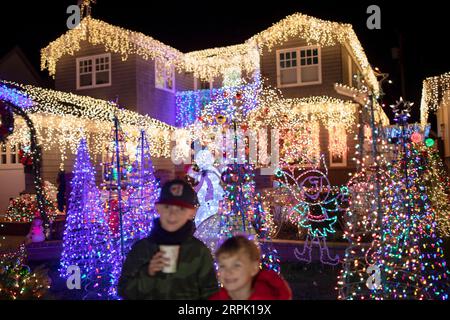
x: 235, y: 244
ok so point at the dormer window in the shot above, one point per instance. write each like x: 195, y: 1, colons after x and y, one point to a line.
x: 94, y: 71
x: 299, y: 66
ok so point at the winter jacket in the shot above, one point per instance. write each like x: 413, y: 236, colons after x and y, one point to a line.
x: 267, y: 285
x: 195, y: 278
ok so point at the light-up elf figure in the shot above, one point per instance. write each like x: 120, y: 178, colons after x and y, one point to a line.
x: 315, y: 211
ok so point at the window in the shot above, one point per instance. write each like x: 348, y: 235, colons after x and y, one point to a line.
x: 203, y: 85
x: 301, y: 145
x: 299, y: 66
x: 9, y: 155
x: 164, y: 76
x: 337, y: 145
x: 232, y: 77
x: 94, y: 71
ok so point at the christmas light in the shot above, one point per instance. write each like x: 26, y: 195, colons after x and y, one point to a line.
x: 435, y: 92
x: 63, y: 119
x: 210, y: 63
x: 86, y: 240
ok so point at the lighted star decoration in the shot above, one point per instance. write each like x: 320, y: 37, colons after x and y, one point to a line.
x: 402, y: 110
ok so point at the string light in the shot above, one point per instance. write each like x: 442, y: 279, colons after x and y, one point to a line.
x: 210, y: 63
x: 435, y: 90
x: 63, y: 119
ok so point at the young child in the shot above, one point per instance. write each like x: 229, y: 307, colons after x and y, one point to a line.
x: 239, y: 272
x: 195, y: 277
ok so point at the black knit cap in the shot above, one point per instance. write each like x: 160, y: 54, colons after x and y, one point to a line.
x: 178, y: 192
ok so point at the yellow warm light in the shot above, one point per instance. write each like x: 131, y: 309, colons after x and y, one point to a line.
x: 286, y: 113
x: 210, y: 63
x: 434, y: 91
x: 62, y: 119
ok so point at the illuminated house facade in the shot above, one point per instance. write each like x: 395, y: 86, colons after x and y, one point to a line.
x: 300, y: 56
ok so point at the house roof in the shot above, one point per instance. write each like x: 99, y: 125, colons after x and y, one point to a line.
x: 209, y: 63
x: 36, y: 99
x: 62, y: 119
x: 28, y: 73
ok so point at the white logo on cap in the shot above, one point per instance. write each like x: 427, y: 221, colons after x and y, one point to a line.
x: 176, y: 190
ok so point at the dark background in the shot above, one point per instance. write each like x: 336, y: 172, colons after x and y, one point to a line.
x: 192, y: 25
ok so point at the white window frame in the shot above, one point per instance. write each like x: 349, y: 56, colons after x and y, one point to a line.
x: 299, y: 67
x: 165, y: 79
x: 94, y: 73
x: 8, y: 153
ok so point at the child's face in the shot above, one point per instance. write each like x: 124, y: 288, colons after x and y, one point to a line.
x: 173, y: 217
x: 236, y: 271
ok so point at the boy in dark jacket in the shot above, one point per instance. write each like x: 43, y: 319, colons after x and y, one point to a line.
x: 239, y: 260
x: 195, y: 277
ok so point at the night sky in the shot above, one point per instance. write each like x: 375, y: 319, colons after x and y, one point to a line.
x: 194, y: 25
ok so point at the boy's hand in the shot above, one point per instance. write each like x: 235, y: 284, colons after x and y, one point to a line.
x: 157, y: 263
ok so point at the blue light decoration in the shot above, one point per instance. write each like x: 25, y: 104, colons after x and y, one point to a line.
x: 193, y: 105
x: 86, y: 239
x: 15, y: 97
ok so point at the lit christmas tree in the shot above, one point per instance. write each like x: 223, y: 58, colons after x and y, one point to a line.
x: 143, y: 191
x: 242, y: 211
x: 410, y: 252
x: 115, y: 184
x: 238, y: 208
x: 436, y: 180
x: 86, y: 240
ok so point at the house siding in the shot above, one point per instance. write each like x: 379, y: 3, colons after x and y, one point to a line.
x: 123, y: 77
x: 331, y: 71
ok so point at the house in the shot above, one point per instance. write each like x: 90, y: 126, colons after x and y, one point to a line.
x: 300, y: 56
x: 436, y: 99
x: 14, y: 66
x: 60, y: 120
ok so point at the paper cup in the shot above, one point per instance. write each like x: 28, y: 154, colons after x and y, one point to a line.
x: 170, y: 252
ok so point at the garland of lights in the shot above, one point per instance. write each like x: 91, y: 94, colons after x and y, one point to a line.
x: 409, y: 250
x: 405, y: 246
x: 361, y: 217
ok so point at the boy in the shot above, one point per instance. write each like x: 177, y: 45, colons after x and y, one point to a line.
x: 239, y: 272
x: 195, y: 277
